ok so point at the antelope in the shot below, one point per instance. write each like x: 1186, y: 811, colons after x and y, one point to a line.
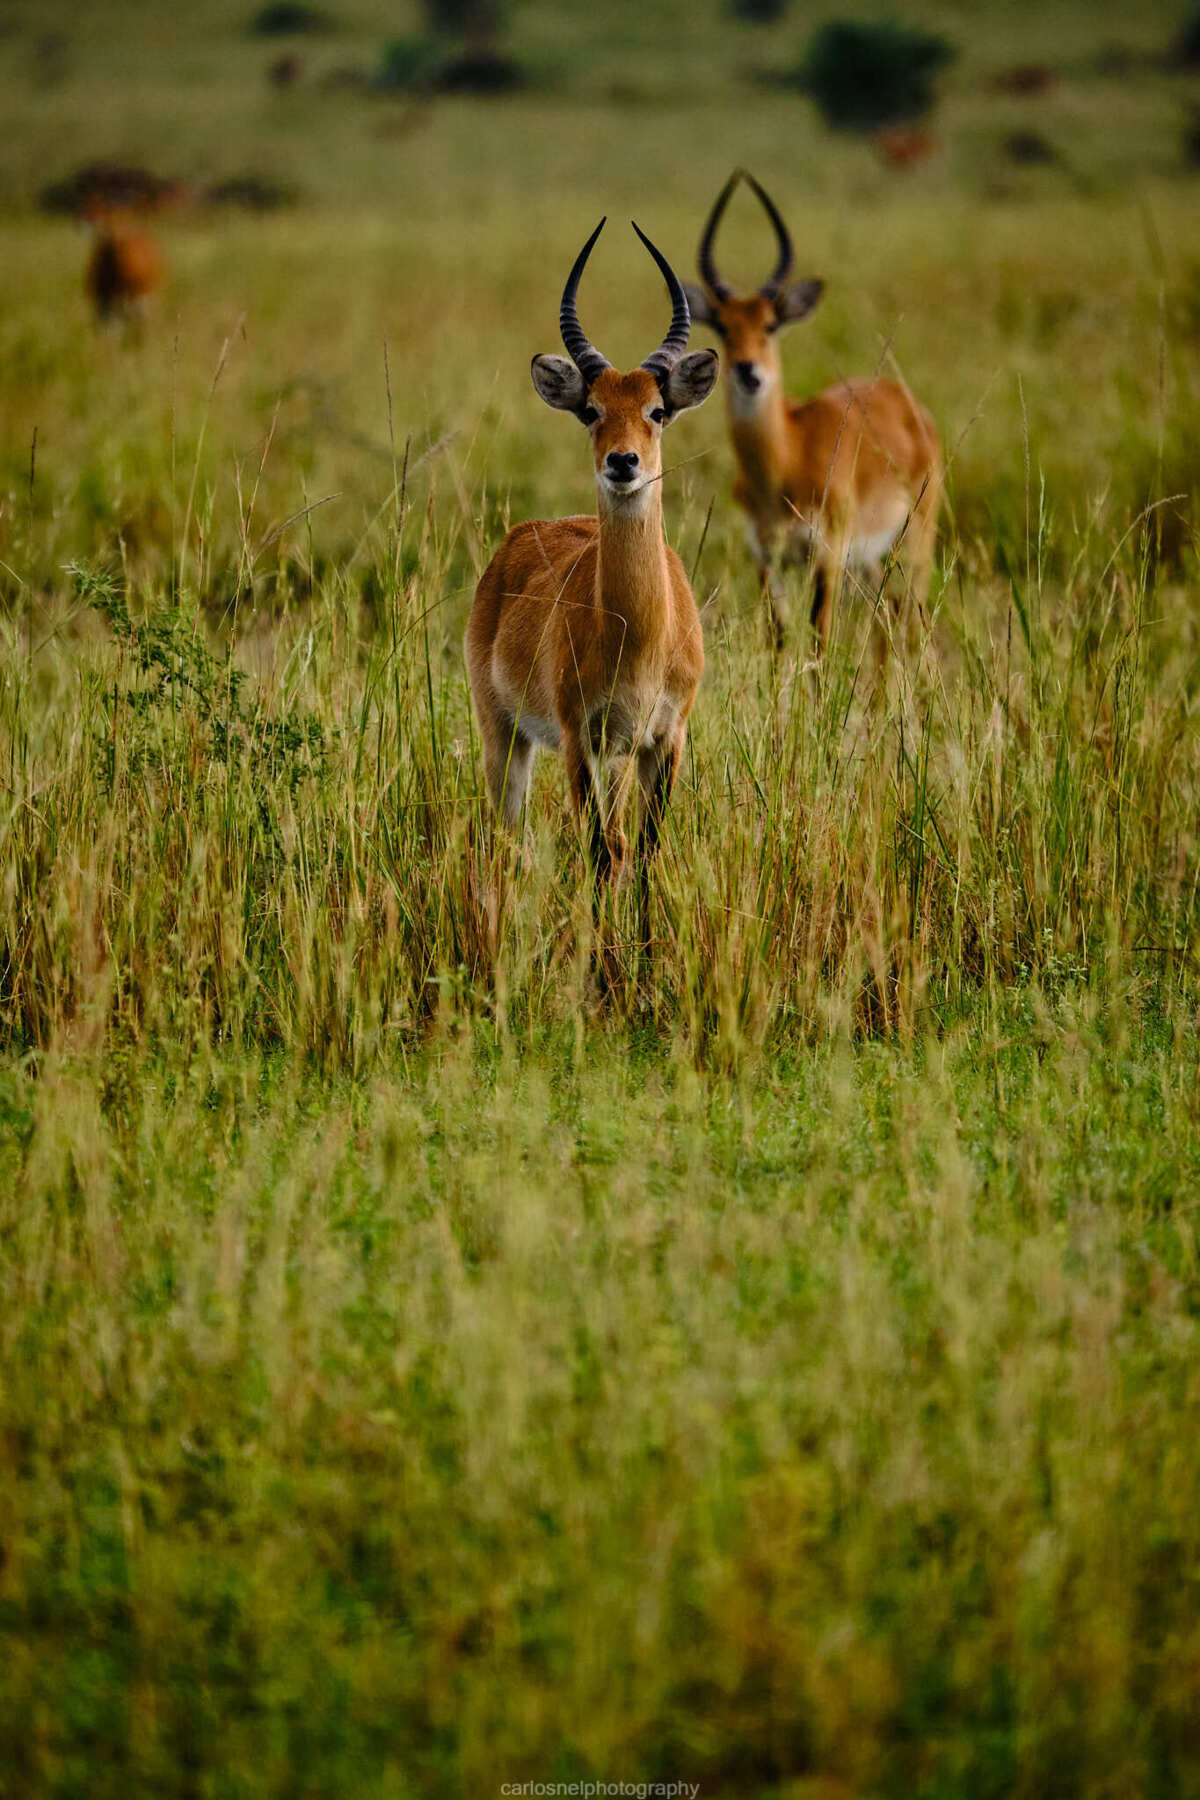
x: 125, y: 266
x: 905, y: 146
x: 841, y: 478
x: 584, y: 635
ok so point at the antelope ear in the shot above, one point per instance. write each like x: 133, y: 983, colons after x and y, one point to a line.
x: 691, y: 381
x: 559, y: 383
x: 700, y: 304
x: 797, y: 301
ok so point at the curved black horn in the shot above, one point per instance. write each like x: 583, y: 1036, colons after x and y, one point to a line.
x: 584, y: 355
x: 708, y: 268
x: 676, y: 341
x: 786, y: 254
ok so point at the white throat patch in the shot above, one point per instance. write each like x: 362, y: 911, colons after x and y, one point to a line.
x: 628, y: 499
x: 745, y: 405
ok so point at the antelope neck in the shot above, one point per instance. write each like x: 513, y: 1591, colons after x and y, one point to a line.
x: 631, y: 567
x: 759, y: 439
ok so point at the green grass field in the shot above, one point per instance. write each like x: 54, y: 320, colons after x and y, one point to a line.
x: 419, y: 1370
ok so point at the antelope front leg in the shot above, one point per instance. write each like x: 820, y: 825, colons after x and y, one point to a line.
x: 771, y: 578
x: 822, y: 605
x: 657, y: 769
x: 507, y: 761
x: 605, y: 840
x: 766, y: 545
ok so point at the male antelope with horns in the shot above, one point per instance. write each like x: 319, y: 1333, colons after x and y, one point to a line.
x: 584, y: 635
x: 844, y: 478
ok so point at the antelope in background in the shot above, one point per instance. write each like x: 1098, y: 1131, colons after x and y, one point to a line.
x: 584, y: 635
x: 841, y: 478
x: 125, y: 267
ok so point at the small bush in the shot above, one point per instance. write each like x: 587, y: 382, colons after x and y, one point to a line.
x: 480, y: 72
x: 284, y: 72
x: 759, y: 12
x: 1025, y: 80
x: 288, y: 18
x: 480, y: 20
x: 418, y: 65
x: 182, y: 694
x: 1185, y: 52
x: 408, y: 65
x: 458, y: 55
x: 256, y: 193
x: 866, y: 76
x: 1191, y: 141
x: 1029, y: 148
x: 126, y: 185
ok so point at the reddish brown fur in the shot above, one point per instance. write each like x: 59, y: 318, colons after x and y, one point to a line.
x: 584, y: 635
x: 905, y: 146
x: 124, y: 269
x: 842, y: 477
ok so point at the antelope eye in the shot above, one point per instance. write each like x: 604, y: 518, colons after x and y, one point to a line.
x: 657, y: 416
x: 589, y: 415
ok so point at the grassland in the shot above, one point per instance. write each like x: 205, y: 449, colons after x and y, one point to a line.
x: 419, y: 1370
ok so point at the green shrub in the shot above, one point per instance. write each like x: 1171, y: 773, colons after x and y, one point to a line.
x: 480, y: 71
x: 477, y: 19
x: 182, y: 694
x: 866, y: 76
x: 408, y: 64
x: 288, y: 18
x: 417, y: 64
x: 1186, y: 48
x: 759, y: 12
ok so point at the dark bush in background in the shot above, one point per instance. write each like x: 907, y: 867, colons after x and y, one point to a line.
x: 478, y: 20
x: 480, y: 72
x: 255, y: 193
x: 866, y: 76
x: 1185, y: 52
x: 409, y: 64
x: 421, y: 65
x: 1029, y: 148
x: 126, y: 185
x: 759, y: 12
x: 460, y: 55
x: 1191, y: 140
x: 289, y: 18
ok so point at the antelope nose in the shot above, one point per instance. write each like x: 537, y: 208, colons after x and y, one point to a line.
x: 747, y: 374
x: 620, y: 464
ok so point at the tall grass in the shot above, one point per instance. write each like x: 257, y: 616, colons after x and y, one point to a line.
x: 426, y: 1366
x: 1017, y: 808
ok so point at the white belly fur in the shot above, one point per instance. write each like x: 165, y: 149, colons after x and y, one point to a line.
x: 634, y: 721
x: 630, y: 721
x: 873, y: 546
x: 861, y: 551
x: 530, y: 724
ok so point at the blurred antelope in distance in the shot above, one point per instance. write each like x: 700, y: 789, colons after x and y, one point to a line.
x: 584, y: 635
x: 125, y: 266
x: 842, y: 479
x: 905, y: 146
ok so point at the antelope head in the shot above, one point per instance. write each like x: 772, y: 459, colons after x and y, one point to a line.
x: 747, y: 324
x: 625, y: 414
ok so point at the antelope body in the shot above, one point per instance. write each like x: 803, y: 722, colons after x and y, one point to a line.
x: 124, y: 269
x: 842, y: 479
x: 584, y: 634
